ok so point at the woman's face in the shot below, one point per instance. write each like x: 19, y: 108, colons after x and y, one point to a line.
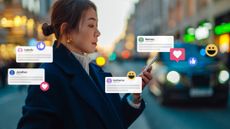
x: 85, y: 39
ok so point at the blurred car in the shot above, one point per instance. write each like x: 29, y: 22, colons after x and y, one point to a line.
x: 207, y: 81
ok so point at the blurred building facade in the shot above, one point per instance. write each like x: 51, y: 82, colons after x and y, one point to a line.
x: 20, y: 24
x: 174, y: 17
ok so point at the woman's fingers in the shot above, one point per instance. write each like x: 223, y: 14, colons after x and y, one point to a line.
x: 144, y: 79
x: 149, y: 69
x: 148, y: 75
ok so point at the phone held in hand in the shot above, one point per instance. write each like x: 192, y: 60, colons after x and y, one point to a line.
x: 154, y: 59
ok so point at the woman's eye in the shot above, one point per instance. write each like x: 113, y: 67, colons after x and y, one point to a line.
x: 91, y: 26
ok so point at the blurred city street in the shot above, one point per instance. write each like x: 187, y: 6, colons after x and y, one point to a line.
x: 11, y: 103
x: 189, y: 92
x: 185, y: 116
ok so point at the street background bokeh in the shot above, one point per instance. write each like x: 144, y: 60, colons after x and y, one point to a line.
x: 186, y: 20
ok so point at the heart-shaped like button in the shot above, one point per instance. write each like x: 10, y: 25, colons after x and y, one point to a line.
x: 44, y: 86
x: 177, y: 53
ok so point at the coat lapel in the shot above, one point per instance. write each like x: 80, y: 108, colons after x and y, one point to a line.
x: 84, y: 86
x: 99, y: 76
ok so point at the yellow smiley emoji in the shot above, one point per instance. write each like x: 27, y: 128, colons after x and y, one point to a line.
x: 131, y: 74
x: 211, y: 50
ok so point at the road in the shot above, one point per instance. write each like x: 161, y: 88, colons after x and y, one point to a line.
x: 154, y: 116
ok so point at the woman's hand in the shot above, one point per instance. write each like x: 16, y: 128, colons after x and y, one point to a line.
x: 146, y: 77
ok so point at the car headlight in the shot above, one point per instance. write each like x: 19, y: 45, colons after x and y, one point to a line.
x: 173, y: 77
x: 223, y: 76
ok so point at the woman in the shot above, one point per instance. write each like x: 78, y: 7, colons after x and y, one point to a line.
x: 76, y: 97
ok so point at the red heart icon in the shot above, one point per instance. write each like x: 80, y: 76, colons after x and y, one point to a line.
x: 44, y: 86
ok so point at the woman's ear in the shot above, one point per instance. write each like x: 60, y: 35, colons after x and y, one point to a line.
x: 64, y: 33
x: 63, y: 28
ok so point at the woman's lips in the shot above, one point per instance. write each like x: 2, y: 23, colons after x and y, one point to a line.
x: 94, y: 43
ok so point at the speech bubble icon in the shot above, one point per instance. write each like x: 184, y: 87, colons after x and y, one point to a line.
x: 177, y: 54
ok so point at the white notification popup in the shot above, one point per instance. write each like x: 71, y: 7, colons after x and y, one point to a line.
x: 34, y: 54
x: 123, y: 85
x: 26, y: 76
x: 155, y: 43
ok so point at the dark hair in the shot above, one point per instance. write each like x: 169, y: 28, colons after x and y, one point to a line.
x: 69, y: 11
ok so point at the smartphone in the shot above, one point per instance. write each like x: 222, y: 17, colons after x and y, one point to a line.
x: 148, y: 66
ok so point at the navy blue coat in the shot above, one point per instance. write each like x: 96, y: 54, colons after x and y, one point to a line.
x: 75, y: 100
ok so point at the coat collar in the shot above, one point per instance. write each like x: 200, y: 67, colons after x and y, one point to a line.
x: 85, y: 86
x: 65, y: 59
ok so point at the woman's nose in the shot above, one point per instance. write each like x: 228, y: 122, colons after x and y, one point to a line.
x: 98, y: 33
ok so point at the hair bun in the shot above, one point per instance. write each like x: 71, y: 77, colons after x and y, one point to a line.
x: 47, y: 29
